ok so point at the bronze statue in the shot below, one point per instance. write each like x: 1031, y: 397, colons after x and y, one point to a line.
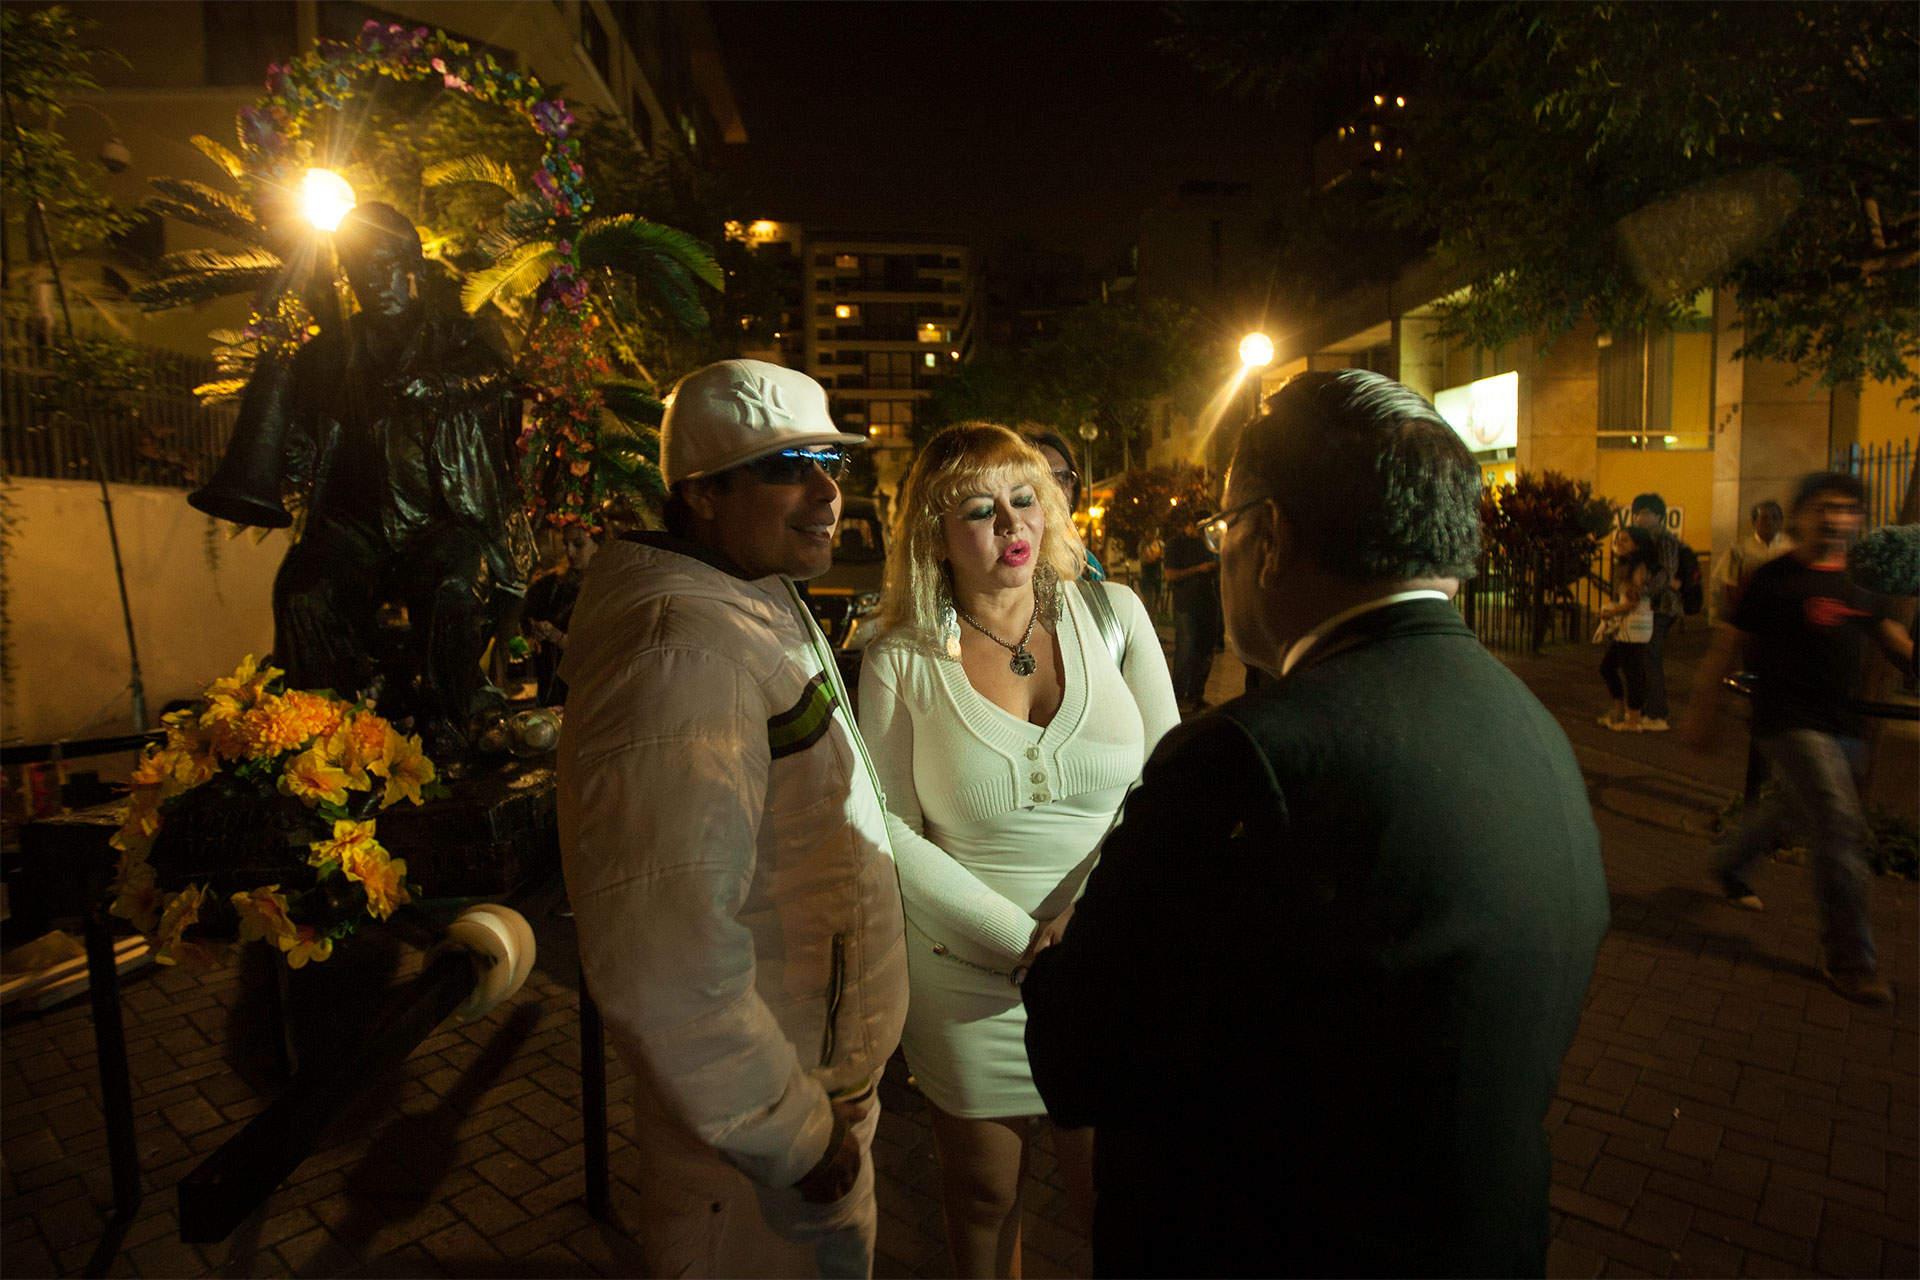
x: 399, y: 420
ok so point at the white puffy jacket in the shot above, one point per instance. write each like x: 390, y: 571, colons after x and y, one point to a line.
x: 726, y: 853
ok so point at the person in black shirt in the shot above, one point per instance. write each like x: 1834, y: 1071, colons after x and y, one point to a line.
x: 1809, y: 625
x: 1193, y: 573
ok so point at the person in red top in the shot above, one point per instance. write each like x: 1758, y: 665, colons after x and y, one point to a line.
x: 1809, y: 625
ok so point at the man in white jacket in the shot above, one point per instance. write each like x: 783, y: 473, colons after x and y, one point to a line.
x: 725, y: 845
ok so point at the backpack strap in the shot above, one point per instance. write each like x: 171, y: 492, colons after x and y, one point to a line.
x: 1101, y: 608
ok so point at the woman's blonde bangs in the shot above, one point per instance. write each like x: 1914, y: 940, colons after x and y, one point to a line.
x: 965, y: 459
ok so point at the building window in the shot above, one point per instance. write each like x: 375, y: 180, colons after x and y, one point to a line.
x: 1656, y: 387
x: 243, y: 36
x: 889, y: 369
x: 846, y: 261
x: 890, y: 419
x: 593, y: 38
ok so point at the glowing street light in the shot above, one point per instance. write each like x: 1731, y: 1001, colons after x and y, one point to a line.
x: 1256, y: 351
x: 326, y: 198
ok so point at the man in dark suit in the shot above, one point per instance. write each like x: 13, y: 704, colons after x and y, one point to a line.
x: 1316, y: 994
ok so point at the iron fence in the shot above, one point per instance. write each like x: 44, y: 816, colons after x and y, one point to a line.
x: 1544, y: 595
x: 1886, y: 471
x: 162, y: 435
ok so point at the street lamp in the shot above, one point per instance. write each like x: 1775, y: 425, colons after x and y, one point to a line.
x: 1256, y: 351
x: 325, y: 198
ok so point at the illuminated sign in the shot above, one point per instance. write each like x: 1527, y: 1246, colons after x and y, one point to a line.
x: 1485, y: 414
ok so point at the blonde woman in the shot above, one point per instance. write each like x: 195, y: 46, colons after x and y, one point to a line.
x: 1007, y: 708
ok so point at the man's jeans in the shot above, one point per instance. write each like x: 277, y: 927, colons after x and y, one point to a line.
x: 1814, y: 792
x: 1656, y: 703
x: 1194, y: 639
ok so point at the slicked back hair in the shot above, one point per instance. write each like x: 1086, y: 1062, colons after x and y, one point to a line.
x: 1375, y: 484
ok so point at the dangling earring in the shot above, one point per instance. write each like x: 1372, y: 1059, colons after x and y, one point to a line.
x: 947, y: 620
x: 1046, y: 593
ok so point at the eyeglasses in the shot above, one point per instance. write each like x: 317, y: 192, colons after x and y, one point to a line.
x: 1065, y: 479
x: 1214, y: 531
x: 795, y: 466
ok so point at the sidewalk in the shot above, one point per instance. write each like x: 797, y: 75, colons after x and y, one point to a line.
x: 1720, y: 1113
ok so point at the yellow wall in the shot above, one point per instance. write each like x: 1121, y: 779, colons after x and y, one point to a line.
x: 1882, y: 421
x: 1683, y: 479
x: 192, y: 621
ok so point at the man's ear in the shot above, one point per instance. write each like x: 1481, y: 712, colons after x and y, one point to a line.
x: 700, y: 498
x: 1279, y: 547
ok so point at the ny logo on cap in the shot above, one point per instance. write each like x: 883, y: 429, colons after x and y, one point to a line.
x: 761, y: 402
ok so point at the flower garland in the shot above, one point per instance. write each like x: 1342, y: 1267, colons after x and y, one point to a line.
x: 557, y: 362
x: 312, y: 747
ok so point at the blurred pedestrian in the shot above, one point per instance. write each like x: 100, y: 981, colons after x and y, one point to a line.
x: 1317, y: 991
x: 1766, y: 540
x: 1809, y: 625
x: 1627, y: 624
x: 1007, y: 726
x: 1649, y: 512
x: 1066, y: 473
x: 1193, y: 573
x: 725, y: 846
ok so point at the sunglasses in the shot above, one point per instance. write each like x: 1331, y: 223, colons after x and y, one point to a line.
x: 795, y: 466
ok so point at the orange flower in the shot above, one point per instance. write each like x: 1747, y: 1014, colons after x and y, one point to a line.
x: 138, y: 898
x: 405, y: 766
x: 351, y: 841
x: 357, y: 743
x: 385, y: 880
x: 310, y: 777
x: 141, y: 824
x: 182, y: 909
x: 271, y: 726
x: 313, y: 715
x: 306, y: 944
x: 263, y: 914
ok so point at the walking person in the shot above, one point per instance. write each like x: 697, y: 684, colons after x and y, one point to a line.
x: 1627, y: 625
x: 1009, y: 704
x: 1316, y: 994
x: 1809, y: 626
x: 726, y: 848
x: 1649, y: 512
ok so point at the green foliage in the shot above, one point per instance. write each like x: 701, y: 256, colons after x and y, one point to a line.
x: 1540, y: 535
x: 1613, y: 160
x: 1151, y: 502
x: 1105, y: 364
x: 44, y: 66
x: 94, y: 379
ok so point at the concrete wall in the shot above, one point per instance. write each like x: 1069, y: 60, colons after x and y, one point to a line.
x: 195, y: 614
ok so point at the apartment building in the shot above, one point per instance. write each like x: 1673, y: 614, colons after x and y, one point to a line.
x: 887, y: 315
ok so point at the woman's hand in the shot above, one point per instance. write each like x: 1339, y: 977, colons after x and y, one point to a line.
x: 1048, y: 933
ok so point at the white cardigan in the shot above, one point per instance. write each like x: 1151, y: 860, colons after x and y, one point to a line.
x: 945, y: 754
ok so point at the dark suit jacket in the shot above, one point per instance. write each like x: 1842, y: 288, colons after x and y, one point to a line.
x: 1317, y: 992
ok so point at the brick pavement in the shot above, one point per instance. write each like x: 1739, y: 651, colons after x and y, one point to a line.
x: 1720, y: 1112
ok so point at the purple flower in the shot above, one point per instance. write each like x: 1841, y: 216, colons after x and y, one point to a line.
x: 552, y: 118
x: 544, y: 180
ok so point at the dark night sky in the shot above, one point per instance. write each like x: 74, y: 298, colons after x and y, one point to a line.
x: 1059, y: 121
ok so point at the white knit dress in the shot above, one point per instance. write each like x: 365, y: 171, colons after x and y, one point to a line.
x: 995, y: 822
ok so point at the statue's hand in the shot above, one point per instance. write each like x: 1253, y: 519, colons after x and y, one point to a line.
x: 417, y: 387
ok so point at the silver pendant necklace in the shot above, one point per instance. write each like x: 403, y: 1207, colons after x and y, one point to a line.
x: 1022, y: 663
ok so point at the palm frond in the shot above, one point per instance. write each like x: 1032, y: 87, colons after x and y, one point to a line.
x: 632, y: 404
x: 475, y: 168
x: 220, y: 391
x: 232, y: 164
x: 660, y: 259
x: 186, y: 261
x: 199, y: 205
x: 632, y: 244
x: 202, y: 286
x: 518, y: 272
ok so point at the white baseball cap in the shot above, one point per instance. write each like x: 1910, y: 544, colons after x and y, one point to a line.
x: 737, y: 410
